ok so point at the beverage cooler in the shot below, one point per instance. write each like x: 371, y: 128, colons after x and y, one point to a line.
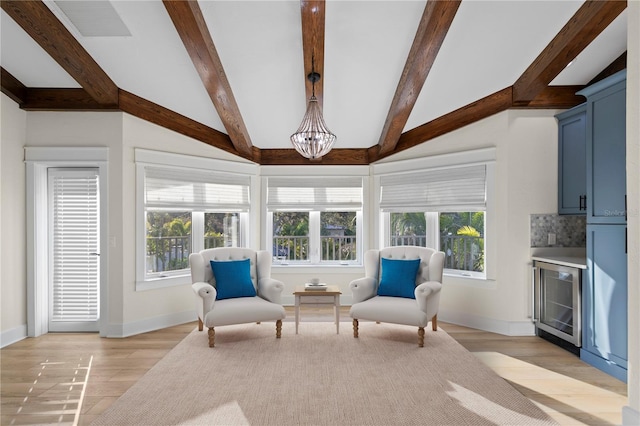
x: 557, y: 301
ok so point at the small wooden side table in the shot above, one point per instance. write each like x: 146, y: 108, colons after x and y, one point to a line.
x: 330, y: 296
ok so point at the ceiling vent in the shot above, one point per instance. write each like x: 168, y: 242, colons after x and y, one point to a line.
x: 94, y: 18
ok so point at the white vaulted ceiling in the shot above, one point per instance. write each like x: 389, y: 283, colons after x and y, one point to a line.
x: 488, y: 47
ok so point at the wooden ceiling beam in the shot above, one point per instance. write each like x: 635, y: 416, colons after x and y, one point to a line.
x: 556, y: 97
x: 475, y: 111
x: 289, y: 157
x: 192, y: 28
x: 434, y: 25
x: 154, y: 113
x: 43, y: 26
x: 312, y: 13
x: 38, y: 99
x: 12, y: 87
x: 585, y: 25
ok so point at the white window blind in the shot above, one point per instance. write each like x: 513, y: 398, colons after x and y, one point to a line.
x: 75, y: 244
x: 317, y: 193
x: 439, y: 190
x: 195, y: 189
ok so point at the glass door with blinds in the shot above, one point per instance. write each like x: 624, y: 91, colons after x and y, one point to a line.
x: 74, y: 249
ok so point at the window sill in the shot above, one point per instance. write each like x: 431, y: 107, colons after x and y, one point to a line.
x: 164, y: 282
x: 465, y: 274
x: 333, y: 268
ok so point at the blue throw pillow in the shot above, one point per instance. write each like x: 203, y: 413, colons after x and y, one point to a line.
x: 398, y: 277
x: 233, y: 278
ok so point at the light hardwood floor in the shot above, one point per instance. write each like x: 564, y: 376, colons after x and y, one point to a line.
x: 67, y: 378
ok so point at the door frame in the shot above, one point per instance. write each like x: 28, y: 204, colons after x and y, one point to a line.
x: 38, y: 160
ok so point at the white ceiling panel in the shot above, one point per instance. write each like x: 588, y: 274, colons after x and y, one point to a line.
x: 260, y: 46
x: 26, y: 60
x: 488, y: 47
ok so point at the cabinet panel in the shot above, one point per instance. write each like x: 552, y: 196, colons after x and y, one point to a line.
x: 606, y: 155
x: 605, y: 294
x: 572, y: 161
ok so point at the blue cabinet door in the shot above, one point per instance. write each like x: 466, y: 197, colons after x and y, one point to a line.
x: 604, y: 332
x: 572, y: 161
x: 606, y: 150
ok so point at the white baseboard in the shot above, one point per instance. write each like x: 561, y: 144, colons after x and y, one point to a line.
x: 507, y: 328
x: 630, y: 417
x: 13, y: 335
x: 150, y: 324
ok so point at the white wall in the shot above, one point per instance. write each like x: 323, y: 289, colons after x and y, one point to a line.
x: 525, y: 183
x: 525, y: 170
x: 13, y: 292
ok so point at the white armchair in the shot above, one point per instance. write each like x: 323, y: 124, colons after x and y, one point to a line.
x: 419, y: 303
x: 263, y: 302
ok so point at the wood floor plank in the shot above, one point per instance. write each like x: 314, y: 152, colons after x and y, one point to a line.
x: 38, y: 387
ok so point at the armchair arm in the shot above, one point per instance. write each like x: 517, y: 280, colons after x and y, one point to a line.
x: 428, y: 297
x: 271, y: 290
x: 205, y: 297
x: 363, y: 289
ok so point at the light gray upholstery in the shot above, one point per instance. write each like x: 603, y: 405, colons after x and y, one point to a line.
x: 367, y: 305
x: 266, y: 306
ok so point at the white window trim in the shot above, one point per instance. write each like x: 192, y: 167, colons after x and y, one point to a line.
x: 145, y: 157
x: 485, y: 156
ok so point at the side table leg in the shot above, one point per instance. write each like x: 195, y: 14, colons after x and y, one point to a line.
x: 337, y: 309
x: 297, y: 312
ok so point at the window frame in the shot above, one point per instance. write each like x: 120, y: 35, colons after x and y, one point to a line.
x: 362, y: 213
x: 145, y: 158
x: 486, y: 157
x: 432, y: 239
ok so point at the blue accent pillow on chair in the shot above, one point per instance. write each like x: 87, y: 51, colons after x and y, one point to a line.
x: 398, y: 277
x: 233, y: 278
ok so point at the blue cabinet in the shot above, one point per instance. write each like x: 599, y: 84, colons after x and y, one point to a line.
x: 606, y: 150
x: 604, y: 300
x: 572, y: 161
x: 604, y: 332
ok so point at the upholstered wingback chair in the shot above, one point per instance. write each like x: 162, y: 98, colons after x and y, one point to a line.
x: 401, y: 286
x: 239, y: 291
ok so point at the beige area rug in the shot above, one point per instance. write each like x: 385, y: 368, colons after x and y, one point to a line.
x: 320, y: 378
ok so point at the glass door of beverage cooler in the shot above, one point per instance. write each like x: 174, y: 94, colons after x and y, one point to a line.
x: 557, y: 301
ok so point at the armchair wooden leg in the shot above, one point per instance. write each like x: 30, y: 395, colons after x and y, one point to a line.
x: 434, y: 323
x: 278, y: 329
x: 355, y: 327
x: 212, y: 337
x: 200, y: 325
x: 421, y: 337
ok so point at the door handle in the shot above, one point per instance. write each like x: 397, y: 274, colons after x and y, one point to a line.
x: 583, y: 202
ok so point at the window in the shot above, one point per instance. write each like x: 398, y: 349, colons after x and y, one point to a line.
x: 314, y: 221
x: 460, y: 235
x: 185, y: 210
x: 443, y: 208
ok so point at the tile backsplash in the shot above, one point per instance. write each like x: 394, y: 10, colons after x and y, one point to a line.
x: 570, y: 231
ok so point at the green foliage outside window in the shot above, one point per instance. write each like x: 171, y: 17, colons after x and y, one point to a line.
x: 168, y: 240
x: 461, y: 236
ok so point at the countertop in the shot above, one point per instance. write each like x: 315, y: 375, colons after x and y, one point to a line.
x: 571, y: 261
x: 571, y: 257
